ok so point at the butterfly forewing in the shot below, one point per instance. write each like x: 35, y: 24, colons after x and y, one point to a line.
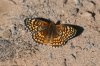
x: 36, y: 24
x: 68, y: 32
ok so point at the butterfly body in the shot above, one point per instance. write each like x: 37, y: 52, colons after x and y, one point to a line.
x: 48, y: 33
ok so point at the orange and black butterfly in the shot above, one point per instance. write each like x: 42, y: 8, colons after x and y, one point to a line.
x: 48, y: 33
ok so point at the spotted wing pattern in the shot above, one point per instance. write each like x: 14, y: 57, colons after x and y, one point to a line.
x: 36, y: 24
x: 64, y: 33
x: 40, y: 28
x: 41, y: 37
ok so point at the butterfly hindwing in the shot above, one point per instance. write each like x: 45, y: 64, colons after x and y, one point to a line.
x: 41, y: 37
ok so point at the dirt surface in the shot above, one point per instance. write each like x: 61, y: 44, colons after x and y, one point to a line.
x: 18, y: 49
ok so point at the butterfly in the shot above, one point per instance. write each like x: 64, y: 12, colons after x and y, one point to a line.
x: 47, y: 32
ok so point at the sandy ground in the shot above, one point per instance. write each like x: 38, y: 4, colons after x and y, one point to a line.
x: 18, y: 49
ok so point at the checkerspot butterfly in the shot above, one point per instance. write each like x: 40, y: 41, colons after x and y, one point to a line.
x: 48, y: 33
